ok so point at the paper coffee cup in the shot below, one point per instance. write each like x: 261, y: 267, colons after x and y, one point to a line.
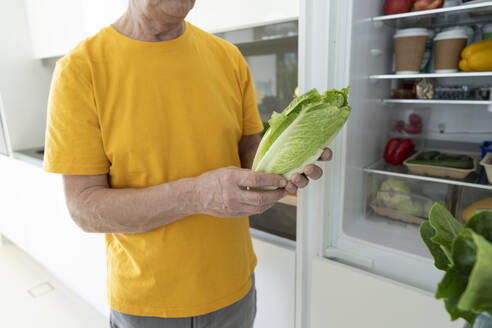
x: 409, y: 49
x: 447, y: 46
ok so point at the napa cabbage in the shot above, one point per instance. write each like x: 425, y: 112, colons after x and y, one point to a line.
x: 297, y: 135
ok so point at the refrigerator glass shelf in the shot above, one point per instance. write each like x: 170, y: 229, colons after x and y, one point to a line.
x: 437, y: 102
x: 429, y: 75
x: 450, y: 16
x: 380, y: 167
x: 454, y: 137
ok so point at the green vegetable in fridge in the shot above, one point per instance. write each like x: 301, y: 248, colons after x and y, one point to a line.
x: 436, y: 158
x: 393, y: 193
x: 427, y: 155
x: 411, y: 207
x: 465, y: 253
x: 298, y: 134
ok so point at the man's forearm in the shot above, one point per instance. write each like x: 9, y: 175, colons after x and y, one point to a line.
x: 96, y: 207
x: 134, y: 210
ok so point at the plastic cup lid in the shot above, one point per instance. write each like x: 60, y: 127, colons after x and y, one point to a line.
x: 408, y: 32
x: 452, y: 33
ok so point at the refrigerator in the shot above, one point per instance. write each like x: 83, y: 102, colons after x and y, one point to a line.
x: 350, y: 42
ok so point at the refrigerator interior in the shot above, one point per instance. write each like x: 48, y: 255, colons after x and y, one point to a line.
x: 393, y: 246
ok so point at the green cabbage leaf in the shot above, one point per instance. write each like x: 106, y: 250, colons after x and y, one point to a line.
x: 297, y: 135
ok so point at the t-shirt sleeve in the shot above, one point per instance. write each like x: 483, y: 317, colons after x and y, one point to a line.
x: 251, y: 117
x: 73, y: 142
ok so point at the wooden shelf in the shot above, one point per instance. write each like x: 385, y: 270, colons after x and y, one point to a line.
x: 289, y: 200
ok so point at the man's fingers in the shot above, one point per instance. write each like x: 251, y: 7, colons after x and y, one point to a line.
x: 326, y: 155
x: 261, y: 198
x: 291, y: 188
x: 313, y: 172
x: 299, y: 180
x: 255, y: 179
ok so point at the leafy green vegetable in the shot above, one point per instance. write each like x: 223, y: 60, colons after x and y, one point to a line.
x: 411, y: 207
x: 393, y: 193
x: 450, y: 289
x: 297, y: 135
x: 481, y: 223
x: 446, y: 227
x: 441, y: 261
x: 466, y: 254
x: 478, y: 294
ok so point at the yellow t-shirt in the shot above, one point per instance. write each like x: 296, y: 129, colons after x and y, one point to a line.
x: 148, y: 113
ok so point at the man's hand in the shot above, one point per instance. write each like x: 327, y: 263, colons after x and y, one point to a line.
x: 310, y: 172
x: 223, y: 193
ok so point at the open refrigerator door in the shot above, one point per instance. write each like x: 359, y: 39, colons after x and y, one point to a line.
x: 367, y: 211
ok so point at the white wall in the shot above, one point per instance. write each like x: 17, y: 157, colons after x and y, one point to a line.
x: 24, y: 82
x: 223, y: 15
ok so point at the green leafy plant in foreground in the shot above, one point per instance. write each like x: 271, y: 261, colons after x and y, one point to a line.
x: 465, y: 253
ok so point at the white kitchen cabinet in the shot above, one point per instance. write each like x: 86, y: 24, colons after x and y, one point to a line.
x: 34, y: 217
x: 14, y: 202
x: 345, y: 297
x: 221, y: 15
x: 275, y: 285
x: 56, y: 26
x: 98, y: 14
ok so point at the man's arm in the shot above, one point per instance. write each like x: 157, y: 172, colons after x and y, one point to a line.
x: 96, y: 207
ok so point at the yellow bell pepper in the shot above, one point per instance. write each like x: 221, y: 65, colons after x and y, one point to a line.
x: 477, y: 57
x: 464, y: 66
x: 474, y: 47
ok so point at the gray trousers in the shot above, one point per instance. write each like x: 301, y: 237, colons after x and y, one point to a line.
x: 237, y: 315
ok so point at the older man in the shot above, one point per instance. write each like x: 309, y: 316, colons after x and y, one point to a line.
x: 150, y: 122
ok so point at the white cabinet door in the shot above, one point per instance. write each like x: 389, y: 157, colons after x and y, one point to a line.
x: 344, y: 297
x: 98, y: 14
x: 223, y: 15
x: 55, y: 25
x: 33, y: 215
x: 77, y: 258
x: 275, y: 285
x: 17, y: 207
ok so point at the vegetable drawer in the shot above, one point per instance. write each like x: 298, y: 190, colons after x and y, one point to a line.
x: 402, y: 199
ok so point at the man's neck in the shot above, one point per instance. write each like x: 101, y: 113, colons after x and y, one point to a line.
x: 139, y: 27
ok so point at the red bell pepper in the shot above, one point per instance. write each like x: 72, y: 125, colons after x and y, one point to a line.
x: 390, y: 148
x: 397, y: 150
